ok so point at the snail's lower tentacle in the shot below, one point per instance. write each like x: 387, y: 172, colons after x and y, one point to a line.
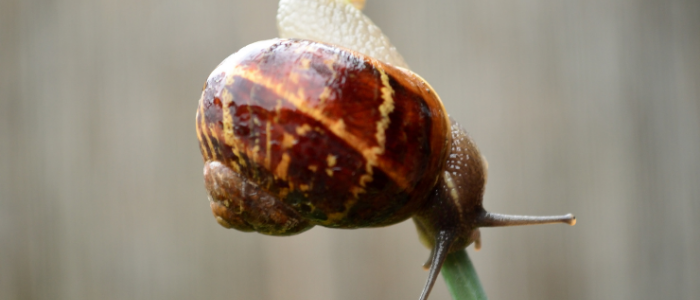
x: 476, y: 237
x: 426, y: 265
x: 443, y: 241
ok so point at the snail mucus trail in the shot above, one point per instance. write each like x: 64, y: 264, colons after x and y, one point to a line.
x: 297, y: 133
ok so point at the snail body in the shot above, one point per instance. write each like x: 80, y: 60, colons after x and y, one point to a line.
x: 296, y: 133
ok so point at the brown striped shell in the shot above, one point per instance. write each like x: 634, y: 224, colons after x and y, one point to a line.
x: 296, y: 133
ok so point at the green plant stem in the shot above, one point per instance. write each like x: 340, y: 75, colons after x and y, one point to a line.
x: 461, y: 278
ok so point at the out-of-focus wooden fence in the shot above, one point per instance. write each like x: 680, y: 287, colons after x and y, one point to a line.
x: 583, y: 106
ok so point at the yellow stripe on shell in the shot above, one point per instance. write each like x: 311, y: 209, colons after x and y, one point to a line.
x: 288, y: 141
x: 283, y: 167
x: 206, y: 136
x: 199, y: 133
x: 387, y: 106
x: 303, y: 129
x: 215, y: 137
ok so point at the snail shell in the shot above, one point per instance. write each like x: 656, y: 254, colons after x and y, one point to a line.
x: 296, y: 133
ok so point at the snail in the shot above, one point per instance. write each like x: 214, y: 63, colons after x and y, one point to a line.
x: 296, y: 133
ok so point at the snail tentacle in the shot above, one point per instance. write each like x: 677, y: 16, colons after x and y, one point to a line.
x: 443, y: 241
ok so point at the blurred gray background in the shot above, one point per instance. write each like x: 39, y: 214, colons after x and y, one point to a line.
x: 583, y: 106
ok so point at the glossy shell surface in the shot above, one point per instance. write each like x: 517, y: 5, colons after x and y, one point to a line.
x: 323, y: 135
